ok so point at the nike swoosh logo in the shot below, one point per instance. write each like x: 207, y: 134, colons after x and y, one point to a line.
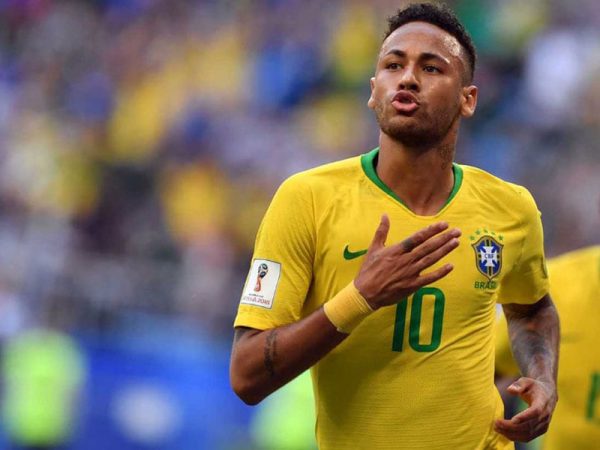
x: 351, y: 255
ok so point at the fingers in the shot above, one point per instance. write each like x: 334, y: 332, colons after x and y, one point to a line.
x: 524, y: 387
x: 394, y: 273
x: 431, y: 246
x: 413, y: 241
x: 432, y: 277
x: 529, y: 414
x: 522, y: 432
x: 536, y: 398
x: 381, y: 232
x: 534, y: 420
x: 443, y: 245
x: 515, y: 389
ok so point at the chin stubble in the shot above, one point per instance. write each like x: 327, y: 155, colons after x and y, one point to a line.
x: 419, y: 136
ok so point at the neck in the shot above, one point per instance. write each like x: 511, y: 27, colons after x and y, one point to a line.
x: 421, y: 177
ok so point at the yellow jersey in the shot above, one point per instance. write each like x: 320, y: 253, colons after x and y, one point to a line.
x: 419, y: 374
x: 575, y: 289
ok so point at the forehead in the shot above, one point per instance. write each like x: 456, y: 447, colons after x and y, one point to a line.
x: 422, y: 37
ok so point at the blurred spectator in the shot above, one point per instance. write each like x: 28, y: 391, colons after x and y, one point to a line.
x: 151, y: 128
x: 43, y: 371
x: 286, y: 419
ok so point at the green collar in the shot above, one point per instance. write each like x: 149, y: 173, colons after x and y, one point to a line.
x: 367, y: 161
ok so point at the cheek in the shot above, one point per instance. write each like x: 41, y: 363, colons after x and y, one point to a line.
x: 378, y: 91
x: 376, y: 98
x: 449, y: 98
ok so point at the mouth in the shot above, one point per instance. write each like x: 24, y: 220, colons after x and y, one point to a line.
x: 405, y: 102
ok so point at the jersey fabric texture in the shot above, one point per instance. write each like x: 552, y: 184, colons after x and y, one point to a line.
x: 419, y: 374
x: 575, y: 288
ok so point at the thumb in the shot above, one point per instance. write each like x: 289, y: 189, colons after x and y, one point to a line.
x: 519, y: 387
x: 381, y: 232
x: 514, y: 388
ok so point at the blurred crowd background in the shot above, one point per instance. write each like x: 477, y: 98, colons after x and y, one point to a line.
x: 140, y: 144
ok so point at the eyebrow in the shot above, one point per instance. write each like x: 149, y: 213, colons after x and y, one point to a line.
x: 422, y: 56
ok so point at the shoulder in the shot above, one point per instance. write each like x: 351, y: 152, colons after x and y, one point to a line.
x: 496, y: 190
x: 575, y: 280
x: 575, y: 261
x: 324, y: 179
x: 310, y: 193
x: 334, y: 171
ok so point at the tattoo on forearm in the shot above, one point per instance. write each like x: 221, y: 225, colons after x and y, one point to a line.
x: 535, y: 341
x: 271, y: 352
x: 529, y: 348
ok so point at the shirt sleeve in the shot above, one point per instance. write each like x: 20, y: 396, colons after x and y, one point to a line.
x: 282, y: 264
x: 527, y: 280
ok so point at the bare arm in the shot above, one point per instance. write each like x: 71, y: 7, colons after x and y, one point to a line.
x: 263, y: 361
x: 534, y: 335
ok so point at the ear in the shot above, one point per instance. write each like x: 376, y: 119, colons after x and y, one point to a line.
x: 468, y: 101
x: 371, y: 102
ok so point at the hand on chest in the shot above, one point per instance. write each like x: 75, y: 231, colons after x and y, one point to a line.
x: 485, y: 254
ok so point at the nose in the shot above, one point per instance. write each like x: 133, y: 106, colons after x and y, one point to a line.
x: 408, y: 80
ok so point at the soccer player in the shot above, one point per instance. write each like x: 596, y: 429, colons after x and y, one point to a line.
x: 368, y: 285
x: 575, y: 288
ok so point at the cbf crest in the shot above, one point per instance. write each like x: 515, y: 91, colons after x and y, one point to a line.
x: 488, y: 256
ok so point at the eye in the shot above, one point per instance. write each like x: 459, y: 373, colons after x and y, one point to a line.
x: 393, y: 66
x: 431, y: 69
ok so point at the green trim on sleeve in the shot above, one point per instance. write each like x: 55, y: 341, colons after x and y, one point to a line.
x: 367, y: 161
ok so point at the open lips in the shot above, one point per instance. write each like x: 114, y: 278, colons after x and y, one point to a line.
x: 405, y: 102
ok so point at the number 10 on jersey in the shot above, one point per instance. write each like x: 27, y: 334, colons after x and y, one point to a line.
x: 414, y: 326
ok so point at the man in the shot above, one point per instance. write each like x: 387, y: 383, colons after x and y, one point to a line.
x: 575, y: 288
x: 400, y: 336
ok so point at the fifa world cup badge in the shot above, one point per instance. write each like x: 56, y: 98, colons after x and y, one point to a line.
x: 262, y: 272
x: 260, y: 289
